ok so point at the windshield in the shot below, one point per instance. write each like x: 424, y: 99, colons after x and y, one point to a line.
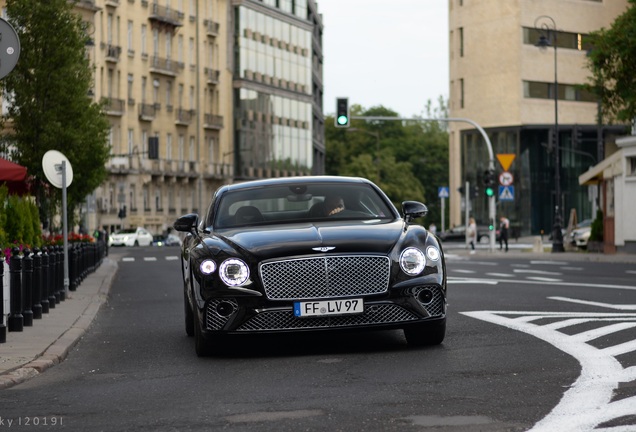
x: 127, y: 231
x: 286, y: 204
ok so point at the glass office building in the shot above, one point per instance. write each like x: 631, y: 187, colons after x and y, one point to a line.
x: 274, y: 80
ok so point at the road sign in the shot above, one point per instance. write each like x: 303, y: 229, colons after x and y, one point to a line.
x: 505, y: 159
x: 442, y: 192
x: 506, y: 178
x: 506, y: 193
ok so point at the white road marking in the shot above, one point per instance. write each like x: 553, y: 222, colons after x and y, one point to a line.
x: 150, y: 259
x: 560, y: 283
x: 591, y: 303
x: 544, y: 279
x: 549, y: 262
x: 542, y: 272
x: 506, y: 275
x: 630, y: 271
x: 127, y: 259
x: 572, y: 268
x: 172, y: 258
x: 588, y: 402
x: 463, y: 271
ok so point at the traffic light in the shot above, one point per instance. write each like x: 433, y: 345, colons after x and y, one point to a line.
x: 342, y: 113
x: 122, y: 213
x: 461, y: 190
x: 490, y: 182
x: 491, y: 226
x: 474, y: 192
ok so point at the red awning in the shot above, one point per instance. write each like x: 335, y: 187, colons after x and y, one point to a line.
x: 14, y: 176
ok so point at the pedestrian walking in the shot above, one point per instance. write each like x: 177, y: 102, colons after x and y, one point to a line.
x: 472, y: 234
x: 504, y: 226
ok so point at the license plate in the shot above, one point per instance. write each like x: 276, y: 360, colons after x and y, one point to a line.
x: 328, y: 307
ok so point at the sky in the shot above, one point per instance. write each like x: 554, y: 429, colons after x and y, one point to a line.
x: 392, y: 53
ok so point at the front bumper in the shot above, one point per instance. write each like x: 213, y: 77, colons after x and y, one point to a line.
x: 237, y: 315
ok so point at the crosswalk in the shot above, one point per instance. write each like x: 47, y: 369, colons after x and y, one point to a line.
x: 591, y: 403
x: 149, y: 259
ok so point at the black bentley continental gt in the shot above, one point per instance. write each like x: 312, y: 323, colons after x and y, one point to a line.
x: 303, y: 254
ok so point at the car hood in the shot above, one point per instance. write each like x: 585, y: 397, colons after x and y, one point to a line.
x: 308, y: 238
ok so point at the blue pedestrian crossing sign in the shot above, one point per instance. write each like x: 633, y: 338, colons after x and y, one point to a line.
x: 442, y: 192
x: 506, y: 193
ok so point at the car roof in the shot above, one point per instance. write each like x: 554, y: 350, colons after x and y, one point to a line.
x: 292, y: 180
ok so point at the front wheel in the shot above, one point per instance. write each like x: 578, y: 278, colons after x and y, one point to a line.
x: 204, y: 346
x: 189, y: 316
x: 426, y: 334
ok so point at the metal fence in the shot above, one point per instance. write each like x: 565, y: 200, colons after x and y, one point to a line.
x: 33, y: 281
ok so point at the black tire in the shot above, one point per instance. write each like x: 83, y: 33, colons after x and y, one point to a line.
x: 136, y: 243
x: 189, y: 316
x: 202, y: 345
x: 426, y: 334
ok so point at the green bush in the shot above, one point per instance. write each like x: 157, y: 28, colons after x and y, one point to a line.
x: 596, y: 230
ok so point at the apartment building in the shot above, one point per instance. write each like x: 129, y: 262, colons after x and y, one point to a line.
x: 502, y: 80
x: 201, y: 93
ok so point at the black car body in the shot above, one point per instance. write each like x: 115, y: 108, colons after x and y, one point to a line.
x: 267, y: 258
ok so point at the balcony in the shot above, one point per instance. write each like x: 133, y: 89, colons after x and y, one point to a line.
x: 147, y: 112
x: 114, y: 107
x: 183, y: 117
x: 163, y: 15
x: 112, y: 3
x: 211, y: 27
x: 212, y: 75
x: 212, y: 121
x: 164, y: 66
x: 112, y: 52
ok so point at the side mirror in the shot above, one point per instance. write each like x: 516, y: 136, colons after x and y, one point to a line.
x: 187, y: 223
x: 413, y: 210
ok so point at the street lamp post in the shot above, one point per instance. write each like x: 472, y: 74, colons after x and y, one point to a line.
x: 548, y: 38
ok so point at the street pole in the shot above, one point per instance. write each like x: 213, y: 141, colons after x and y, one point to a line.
x: 549, y: 38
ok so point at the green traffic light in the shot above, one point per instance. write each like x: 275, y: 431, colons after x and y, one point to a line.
x: 343, y: 120
x: 490, y: 191
x: 491, y: 227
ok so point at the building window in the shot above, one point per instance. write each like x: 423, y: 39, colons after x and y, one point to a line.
x: 461, y: 92
x: 631, y: 166
x: 181, y: 146
x: 576, y: 41
x: 131, y: 42
x: 191, y: 151
x: 461, y: 42
x: 144, y: 30
x: 543, y: 90
x: 169, y: 147
x: 131, y: 140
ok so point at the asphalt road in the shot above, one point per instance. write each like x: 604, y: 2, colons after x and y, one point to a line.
x: 531, y: 345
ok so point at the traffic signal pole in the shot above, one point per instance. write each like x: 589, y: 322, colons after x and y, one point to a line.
x: 492, y: 212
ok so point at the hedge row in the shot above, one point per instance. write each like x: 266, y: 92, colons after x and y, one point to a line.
x: 19, y: 221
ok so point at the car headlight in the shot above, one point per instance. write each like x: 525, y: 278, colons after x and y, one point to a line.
x: 412, y: 261
x: 207, y: 267
x: 234, y: 272
x: 432, y: 253
x: 125, y: 238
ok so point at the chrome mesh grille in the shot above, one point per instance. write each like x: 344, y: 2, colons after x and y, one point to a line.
x: 214, y: 321
x: 330, y: 276
x: 285, y: 319
x: 435, y: 307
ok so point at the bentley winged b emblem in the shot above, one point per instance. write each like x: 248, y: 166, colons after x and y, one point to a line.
x: 323, y: 248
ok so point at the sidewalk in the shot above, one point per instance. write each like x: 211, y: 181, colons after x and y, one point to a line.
x: 49, y: 340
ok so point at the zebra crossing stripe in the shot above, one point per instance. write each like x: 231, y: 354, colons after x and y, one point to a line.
x: 588, y: 402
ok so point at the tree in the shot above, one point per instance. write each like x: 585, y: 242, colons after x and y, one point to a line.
x: 49, y: 103
x: 408, y: 160
x: 612, y: 62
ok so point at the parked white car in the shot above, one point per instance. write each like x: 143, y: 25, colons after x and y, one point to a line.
x: 131, y: 237
x: 581, y: 235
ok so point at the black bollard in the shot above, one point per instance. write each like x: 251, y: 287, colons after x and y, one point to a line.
x: 36, y: 292
x: 3, y: 328
x: 16, y: 320
x: 27, y: 289
x: 50, y: 279
x: 60, y: 273
x: 55, y: 273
